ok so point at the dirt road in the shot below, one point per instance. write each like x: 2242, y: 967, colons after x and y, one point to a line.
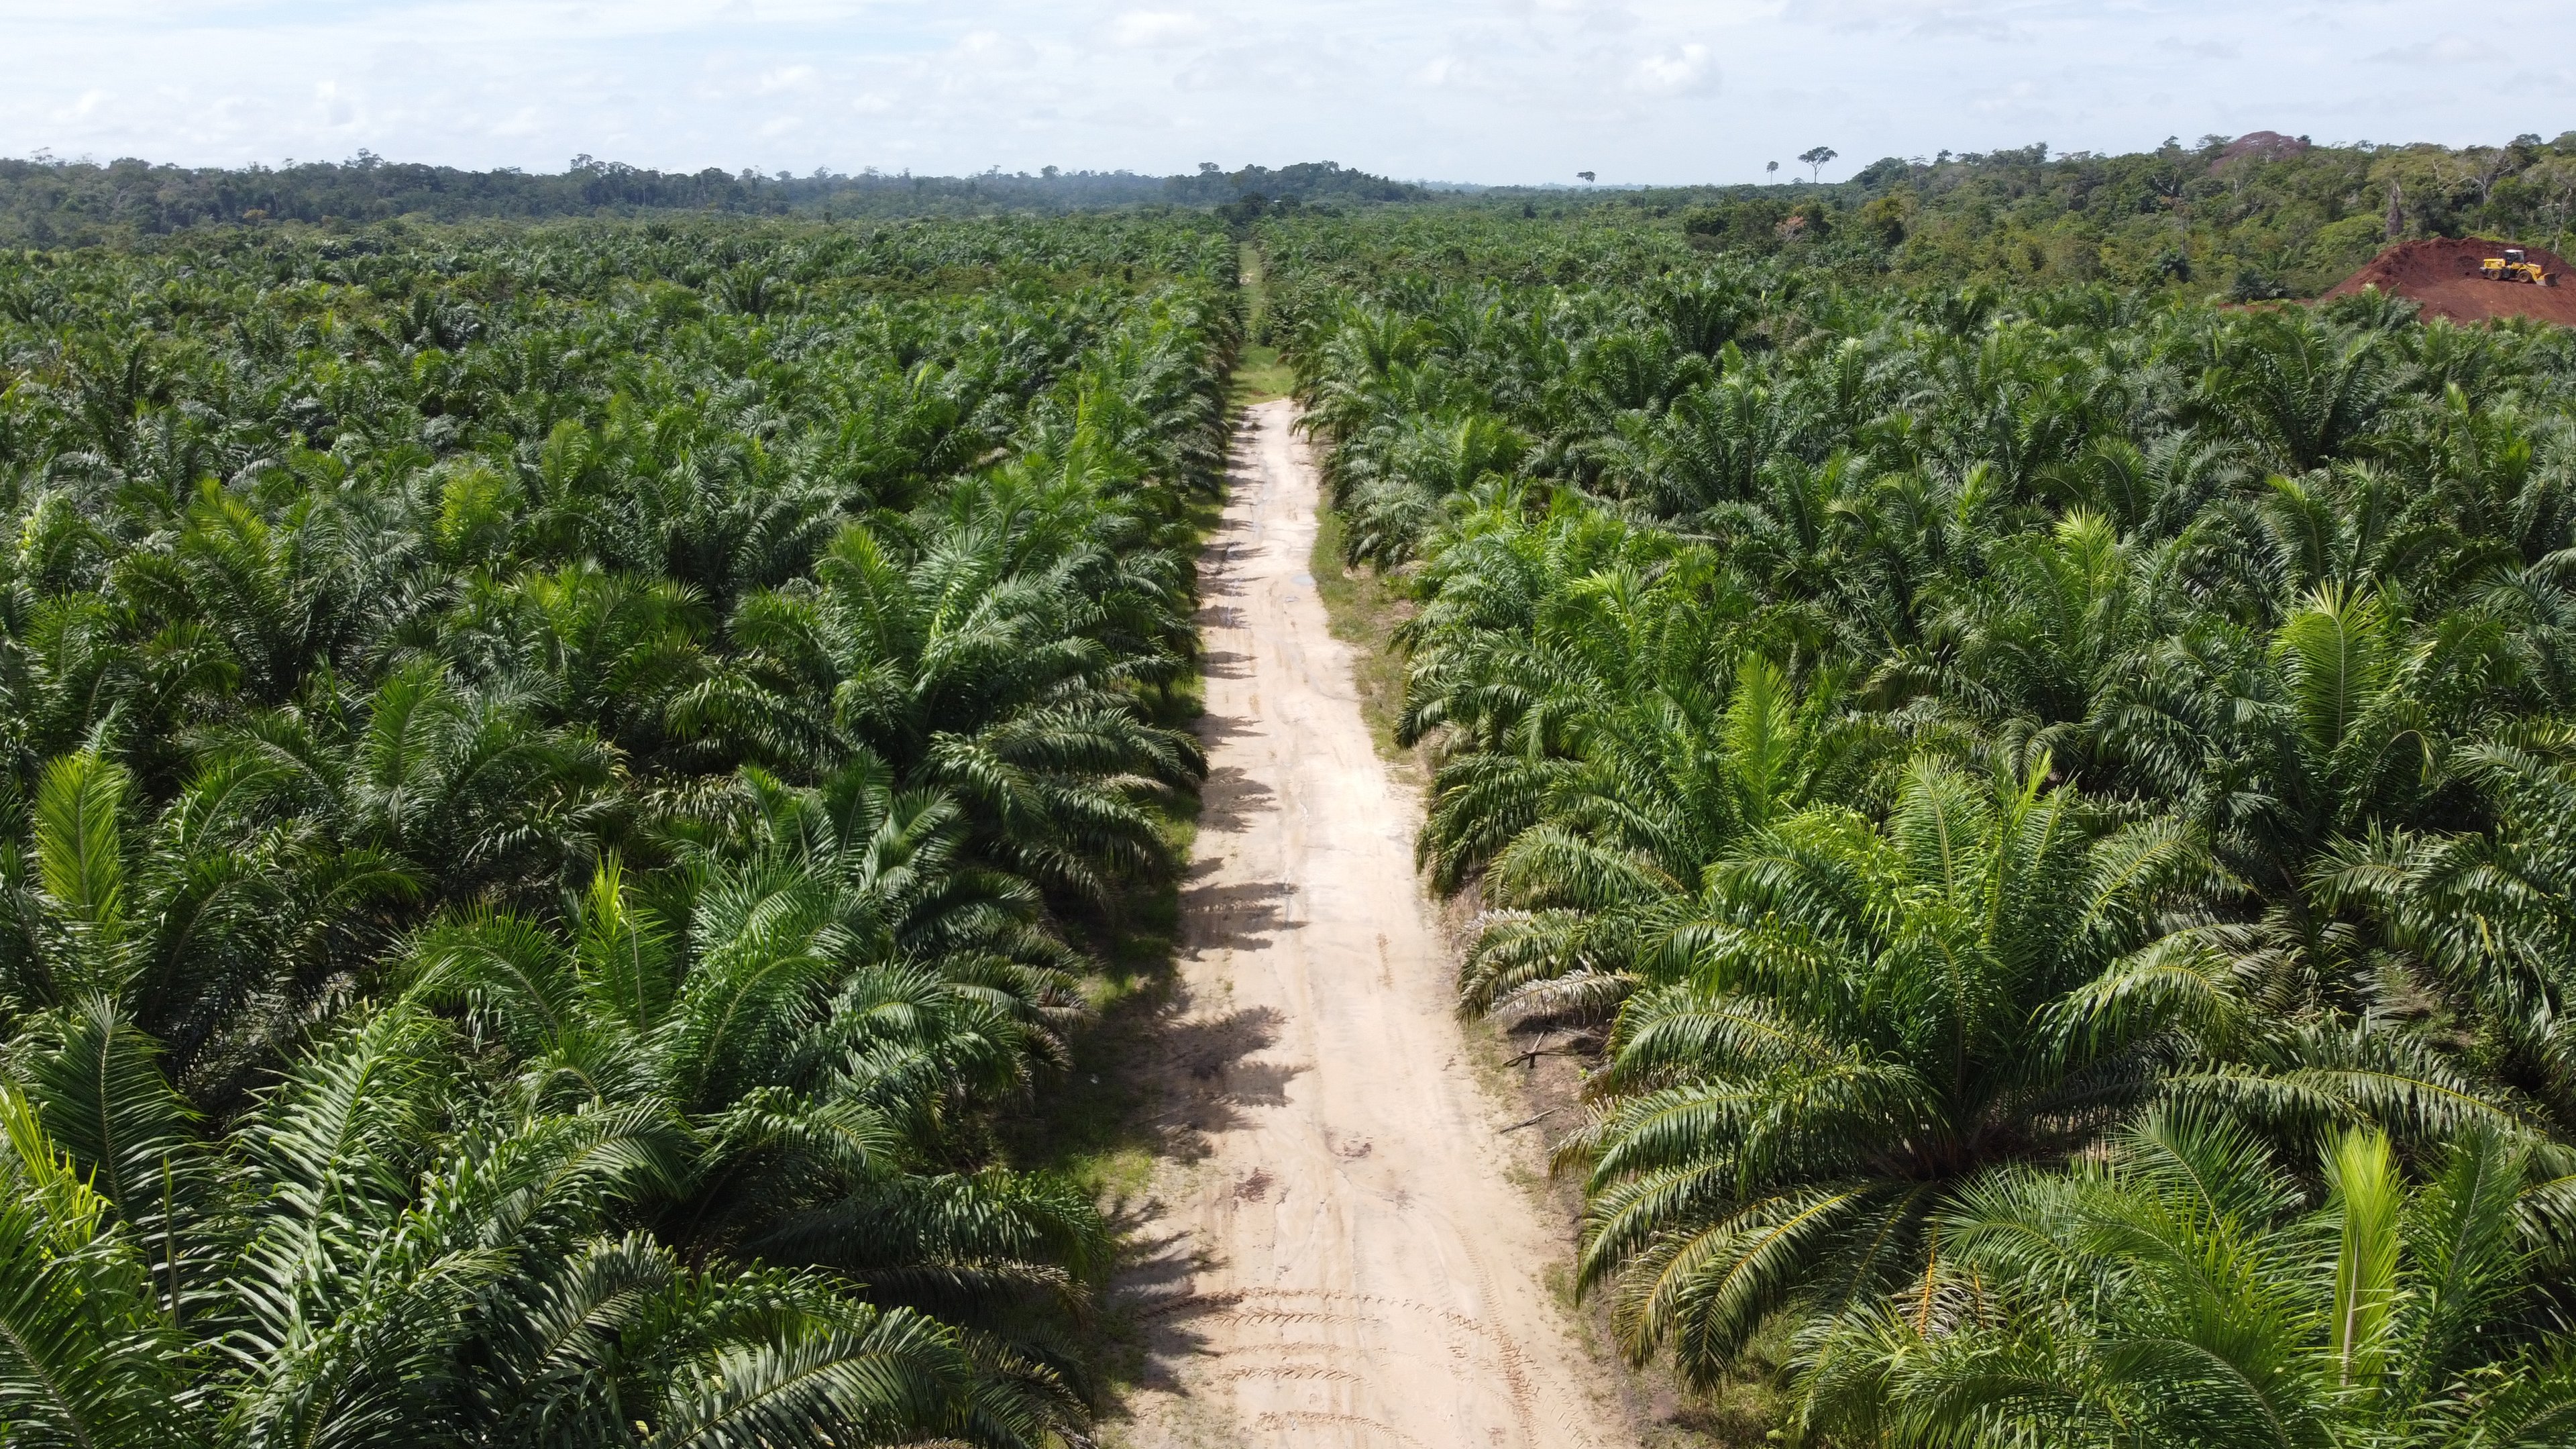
x: 1347, y: 1264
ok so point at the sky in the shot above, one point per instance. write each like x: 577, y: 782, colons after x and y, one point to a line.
x: 1495, y: 91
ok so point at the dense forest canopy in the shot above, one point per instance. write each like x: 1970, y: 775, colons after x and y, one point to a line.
x: 2257, y: 218
x: 52, y: 203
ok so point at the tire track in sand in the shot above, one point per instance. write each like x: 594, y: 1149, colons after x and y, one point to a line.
x: 1343, y: 1261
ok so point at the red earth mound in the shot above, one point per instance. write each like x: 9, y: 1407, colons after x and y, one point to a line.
x: 2442, y: 274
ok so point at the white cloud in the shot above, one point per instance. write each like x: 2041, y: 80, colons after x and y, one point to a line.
x: 1158, y: 27
x: 336, y: 108
x: 1462, y: 89
x: 1981, y: 19
x: 1683, y: 68
x: 2016, y: 97
x: 2446, y: 49
x: 2202, y: 49
x: 785, y: 78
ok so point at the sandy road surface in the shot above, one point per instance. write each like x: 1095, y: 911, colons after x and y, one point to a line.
x: 1347, y: 1265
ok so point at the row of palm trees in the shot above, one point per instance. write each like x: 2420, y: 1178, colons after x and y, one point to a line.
x: 2050, y: 811
x: 552, y: 783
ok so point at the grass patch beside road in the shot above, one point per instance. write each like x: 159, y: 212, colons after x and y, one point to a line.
x: 1260, y: 375
x: 1091, y: 1122
x: 1365, y: 609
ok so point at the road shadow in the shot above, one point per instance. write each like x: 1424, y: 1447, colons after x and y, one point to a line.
x: 1217, y: 577
x: 1230, y: 799
x: 1154, y: 1306
x: 1159, y: 1076
x: 1240, y: 916
x: 1210, y: 1079
x: 1215, y: 729
x: 1225, y: 664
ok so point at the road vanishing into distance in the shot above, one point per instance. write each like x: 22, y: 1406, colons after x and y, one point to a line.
x: 1342, y: 1256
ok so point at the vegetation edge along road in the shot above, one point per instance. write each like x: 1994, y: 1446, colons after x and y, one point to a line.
x: 1974, y: 764
x: 1340, y: 1249
x: 561, y: 786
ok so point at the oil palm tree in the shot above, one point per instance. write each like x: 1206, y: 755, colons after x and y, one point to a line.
x: 424, y: 1258
x: 2310, y: 392
x: 847, y: 989
x: 466, y: 788
x: 354, y: 1091
x: 2282, y: 744
x: 483, y: 1300
x: 1599, y: 747
x: 2478, y: 921
x: 2182, y: 1289
x: 214, y: 930
x: 1860, y: 1023
x: 989, y: 665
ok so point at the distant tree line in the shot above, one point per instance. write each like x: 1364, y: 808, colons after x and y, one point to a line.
x: 45, y: 202
x: 2256, y: 216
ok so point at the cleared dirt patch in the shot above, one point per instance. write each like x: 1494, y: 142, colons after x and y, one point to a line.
x: 2442, y: 274
x: 1342, y: 1257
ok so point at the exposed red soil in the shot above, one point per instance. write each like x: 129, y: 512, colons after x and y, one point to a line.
x: 2442, y: 274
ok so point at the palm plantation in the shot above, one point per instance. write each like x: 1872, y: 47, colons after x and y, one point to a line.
x: 562, y: 790
x: 1856, y: 1022
x: 2183, y: 1288
x: 1980, y: 767
x: 553, y: 808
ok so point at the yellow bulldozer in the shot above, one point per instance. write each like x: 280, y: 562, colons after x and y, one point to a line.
x: 2514, y: 267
